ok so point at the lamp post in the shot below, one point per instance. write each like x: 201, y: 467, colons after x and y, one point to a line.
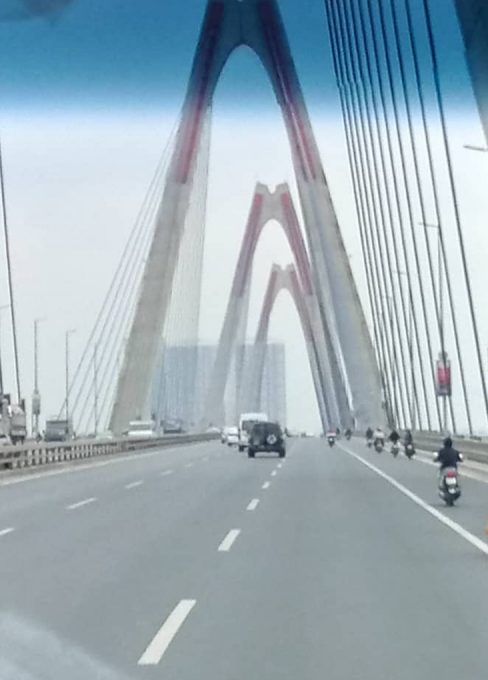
x: 66, y: 357
x: 440, y: 295
x: 36, y: 396
x: 410, y: 354
x: 475, y: 147
x: 388, y: 323
x: 95, y: 389
x: 2, y: 308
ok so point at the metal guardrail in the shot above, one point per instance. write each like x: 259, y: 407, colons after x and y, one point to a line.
x: 34, y: 453
x: 472, y: 449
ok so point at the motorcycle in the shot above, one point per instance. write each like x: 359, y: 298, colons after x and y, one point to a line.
x: 449, y: 489
x: 331, y: 440
x: 409, y: 451
x: 348, y: 435
x: 378, y: 445
x: 369, y: 443
x: 395, y: 449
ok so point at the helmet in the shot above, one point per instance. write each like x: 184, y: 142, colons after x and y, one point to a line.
x: 448, y: 442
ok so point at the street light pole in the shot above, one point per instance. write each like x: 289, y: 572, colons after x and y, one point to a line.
x: 95, y: 388
x: 441, y: 322
x: 66, y: 356
x: 10, y: 284
x: 2, y: 308
x: 388, y: 323
x: 36, y: 397
x: 440, y: 296
x: 411, y: 356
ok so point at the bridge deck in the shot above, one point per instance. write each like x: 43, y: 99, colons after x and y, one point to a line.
x: 334, y: 573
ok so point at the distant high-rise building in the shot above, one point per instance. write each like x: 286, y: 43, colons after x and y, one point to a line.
x: 184, y: 380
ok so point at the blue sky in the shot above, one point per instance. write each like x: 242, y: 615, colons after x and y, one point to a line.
x: 122, y: 52
x: 137, y: 53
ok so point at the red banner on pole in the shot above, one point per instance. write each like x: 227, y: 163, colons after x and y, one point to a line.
x: 443, y: 373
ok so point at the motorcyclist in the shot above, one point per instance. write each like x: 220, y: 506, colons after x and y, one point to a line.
x: 448, y: 456
x: 369, y: 433
x: 348, y: 433
x: 379, y: 436
x: 408, y: 439
x: 394, y: 437
x: 331, y: 434
x: 408, y: 444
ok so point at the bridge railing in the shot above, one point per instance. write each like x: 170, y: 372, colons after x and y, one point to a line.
x: 42, y: 453
x: 472, y: 448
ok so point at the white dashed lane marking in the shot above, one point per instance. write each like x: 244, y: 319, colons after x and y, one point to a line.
x: 8, y: 530
x: 163, y: 638
x: 253, y: 504
x: 229, y: 540
x: 80, y: 504
x: 133, y: 485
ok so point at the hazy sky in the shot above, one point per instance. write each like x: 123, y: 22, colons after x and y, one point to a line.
x: 89, y: 96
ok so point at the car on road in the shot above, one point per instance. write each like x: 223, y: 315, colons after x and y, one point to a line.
x: 232, y: 436
x: 58, y: 430
x: 266, y: 437
x: 223, y: 434
x: 141, y: 429
x: 172, y: 426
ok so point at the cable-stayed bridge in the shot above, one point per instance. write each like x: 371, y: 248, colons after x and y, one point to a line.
x: 173, y: 556
x: 397, y: 341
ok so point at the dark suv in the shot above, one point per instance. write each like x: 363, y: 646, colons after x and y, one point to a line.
x: 266, y: 437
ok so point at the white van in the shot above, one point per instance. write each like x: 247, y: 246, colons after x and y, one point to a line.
x: 141, y: 429
x: 246, y: 422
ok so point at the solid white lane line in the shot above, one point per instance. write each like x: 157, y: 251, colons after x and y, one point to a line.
x: 133, y: 485
x: 165, y: 473
x: 228, y: 541
x: 8, y: 530
x: 273, y: 474
x: 253, y: 504
x: 266, y: 485
x: 163, y: 638
x: 80, y: 504
x: 444, y: 519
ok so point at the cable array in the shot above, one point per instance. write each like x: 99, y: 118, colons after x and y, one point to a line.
x: 377, y: 50
x: 102, y: 356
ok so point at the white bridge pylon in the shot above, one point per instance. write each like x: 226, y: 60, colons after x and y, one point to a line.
x: 275, y: 205
x: 227, y: 25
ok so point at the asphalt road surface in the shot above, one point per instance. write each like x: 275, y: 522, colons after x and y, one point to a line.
x: 196, y: 563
